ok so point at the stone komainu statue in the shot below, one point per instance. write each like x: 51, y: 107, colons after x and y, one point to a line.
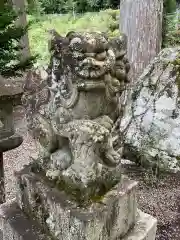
x: 72, y: 105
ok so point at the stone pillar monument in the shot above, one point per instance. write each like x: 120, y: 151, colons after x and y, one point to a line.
x: 75, y: 190
x: 10, y: 95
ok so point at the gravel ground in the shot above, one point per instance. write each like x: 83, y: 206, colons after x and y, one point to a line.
x: 158, y: 197
x: 15, y: 159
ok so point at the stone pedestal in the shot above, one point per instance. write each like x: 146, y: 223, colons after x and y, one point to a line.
x: 57, y: 215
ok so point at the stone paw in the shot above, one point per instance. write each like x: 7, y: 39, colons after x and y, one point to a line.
x: 112, y: 158
x: 61, y: 159
x: 106, y: 122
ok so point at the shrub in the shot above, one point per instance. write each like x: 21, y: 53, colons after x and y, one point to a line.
x: 65, y: 6
x: 170, y: 6
x: 171, y: 36
x: 34, y: 7
x: 10, y: 34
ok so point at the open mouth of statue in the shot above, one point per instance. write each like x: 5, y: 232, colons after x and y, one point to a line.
x: 92, y: 68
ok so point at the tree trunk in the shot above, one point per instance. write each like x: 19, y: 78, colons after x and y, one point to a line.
x: 141, y: 21
x: 20, y: 6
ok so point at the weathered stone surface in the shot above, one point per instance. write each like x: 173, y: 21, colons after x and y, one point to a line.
x: 16, y: 226
x: 104, y: 217
x: 10, y: 95
x: 145, y: 228
x: 10, y: 142
x: 6, y: 119
x: 10, y: 91
x: 71, y: 108
x: 151, y: 126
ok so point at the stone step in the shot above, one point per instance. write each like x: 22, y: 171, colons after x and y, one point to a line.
x: 16, y: 226
x: 144, y: 229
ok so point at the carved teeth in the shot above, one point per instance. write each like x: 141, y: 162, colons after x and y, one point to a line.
x: 90, y: 54
x: 101, y: 56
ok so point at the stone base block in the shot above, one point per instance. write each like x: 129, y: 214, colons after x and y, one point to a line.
x: 16, y: 226
x: 144, y: 229
x: 108, y: 217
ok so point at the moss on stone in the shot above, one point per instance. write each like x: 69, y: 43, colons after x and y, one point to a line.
x: 176, y: 71
x: 85, y: 197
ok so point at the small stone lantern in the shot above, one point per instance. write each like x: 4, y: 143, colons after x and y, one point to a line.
x: 10, y: 96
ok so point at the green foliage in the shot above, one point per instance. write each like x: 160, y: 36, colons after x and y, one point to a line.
x: 172, y: 32
x: 10, y: 34
x: 34, y: 7
x: 38, y: 33
x: 170, y: 6
x: 66, y: 6
x: 53, y: 6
